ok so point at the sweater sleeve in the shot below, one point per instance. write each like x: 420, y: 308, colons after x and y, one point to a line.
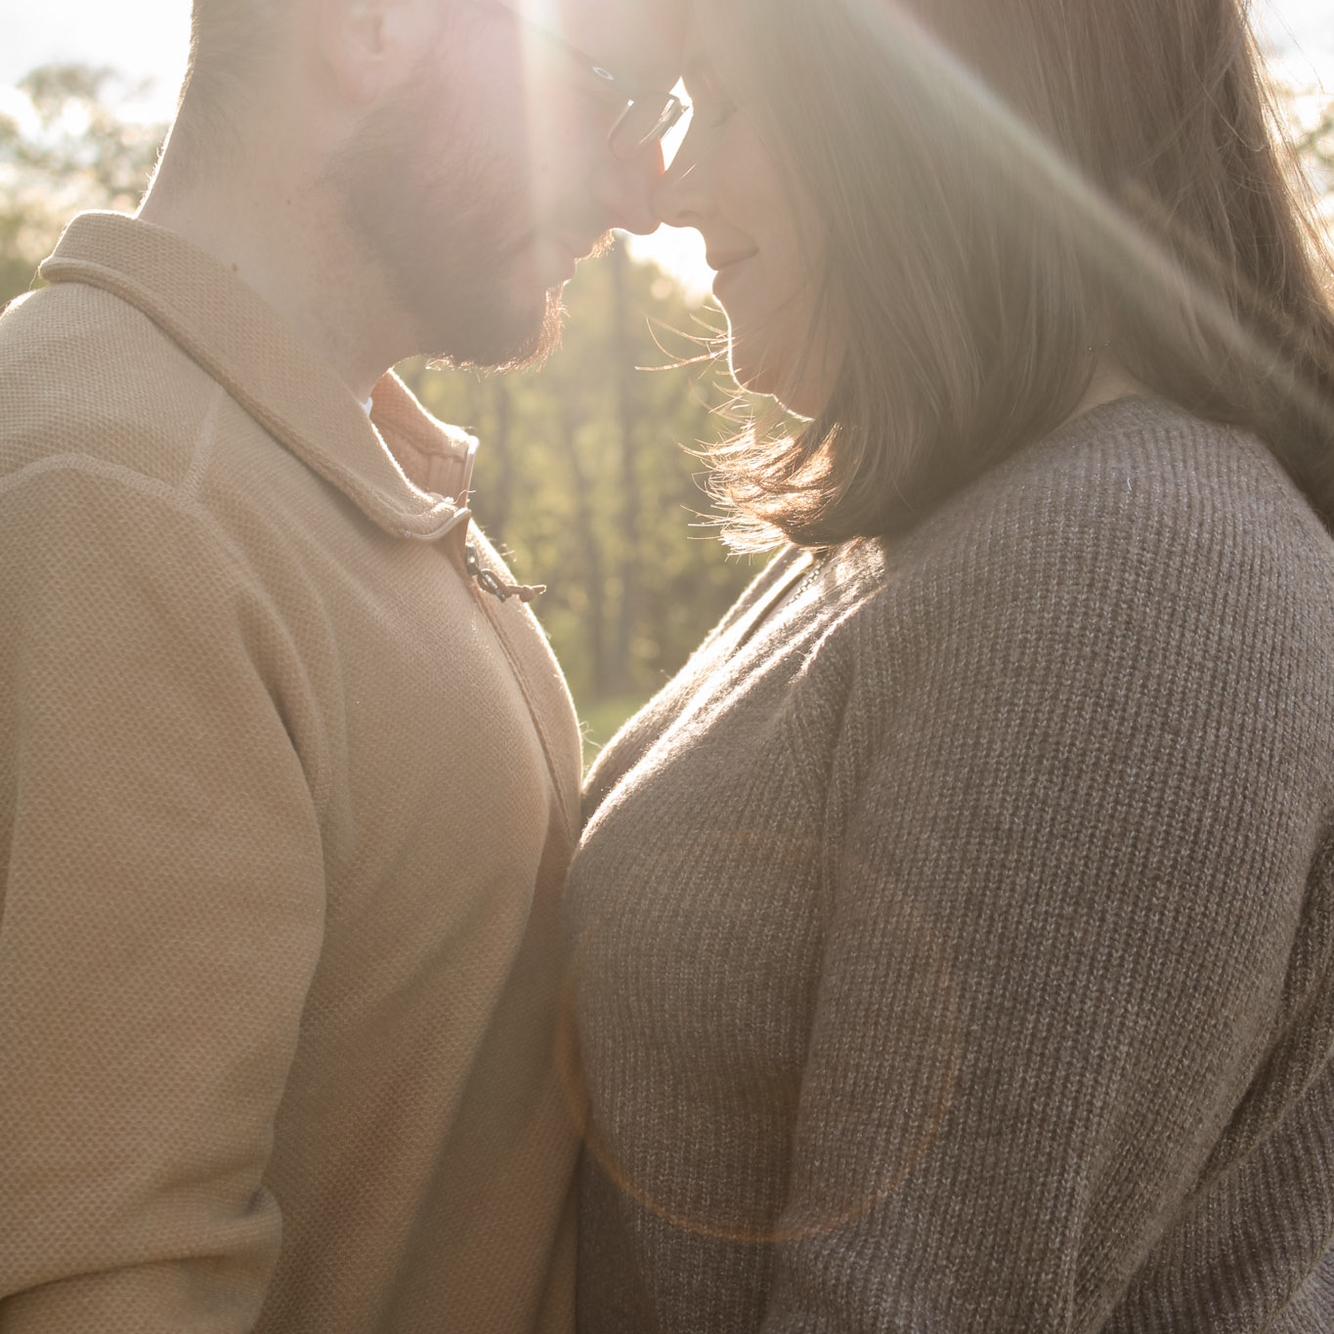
x: 162, y: 913
x: 1055, y: 933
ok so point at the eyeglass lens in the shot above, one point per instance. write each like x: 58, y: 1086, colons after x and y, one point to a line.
x: 642, y: 123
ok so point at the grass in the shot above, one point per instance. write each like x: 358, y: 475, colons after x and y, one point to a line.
x: 601, y: 718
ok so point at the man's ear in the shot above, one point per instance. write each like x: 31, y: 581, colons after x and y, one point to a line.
x: 369, y: 47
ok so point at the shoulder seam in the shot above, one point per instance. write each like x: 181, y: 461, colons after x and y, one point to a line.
x: 177, y: 497
x: 208, y: 433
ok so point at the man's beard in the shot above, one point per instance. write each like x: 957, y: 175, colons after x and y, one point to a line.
x: 452, y: 236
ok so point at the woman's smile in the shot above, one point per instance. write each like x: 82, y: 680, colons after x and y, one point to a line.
x: 726, y: 267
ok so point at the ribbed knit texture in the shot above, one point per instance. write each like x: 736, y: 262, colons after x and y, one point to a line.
x: 286, y: 804
x: 954, y: 946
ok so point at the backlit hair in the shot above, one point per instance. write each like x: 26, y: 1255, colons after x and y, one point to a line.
x: 1012, y: 188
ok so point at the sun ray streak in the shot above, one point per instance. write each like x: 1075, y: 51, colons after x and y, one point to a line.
x: 1046, y: 172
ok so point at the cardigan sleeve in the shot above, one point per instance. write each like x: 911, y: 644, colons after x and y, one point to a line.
x: 163, y: 900
x: 1052, y: 947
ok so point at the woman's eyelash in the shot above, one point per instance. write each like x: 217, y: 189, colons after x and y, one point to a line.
x: 716, y: 112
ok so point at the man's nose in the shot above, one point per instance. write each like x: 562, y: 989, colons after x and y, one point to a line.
x: 628, y: 189
x: 680, y: 195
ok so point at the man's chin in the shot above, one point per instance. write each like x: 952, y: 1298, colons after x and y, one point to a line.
x: 499, y: 340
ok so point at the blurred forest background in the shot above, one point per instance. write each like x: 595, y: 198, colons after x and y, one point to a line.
x: 582, y: 478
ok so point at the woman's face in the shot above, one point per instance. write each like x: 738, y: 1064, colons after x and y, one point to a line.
x: 763, y: 237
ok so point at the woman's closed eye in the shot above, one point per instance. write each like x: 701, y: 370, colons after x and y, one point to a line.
x: 713, y: 110
x: 711, y: 105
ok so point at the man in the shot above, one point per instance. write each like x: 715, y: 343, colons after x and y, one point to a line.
x: 288, y: 776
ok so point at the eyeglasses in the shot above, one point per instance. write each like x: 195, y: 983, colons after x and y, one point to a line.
x: 643, y: 118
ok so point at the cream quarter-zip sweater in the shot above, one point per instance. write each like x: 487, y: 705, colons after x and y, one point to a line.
x: 286, y: 803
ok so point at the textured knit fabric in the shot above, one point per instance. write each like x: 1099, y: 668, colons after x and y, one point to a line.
x: 286, y: 802
x: 954, y: 945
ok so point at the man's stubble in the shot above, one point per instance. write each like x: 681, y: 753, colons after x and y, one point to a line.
x: 449, y: 227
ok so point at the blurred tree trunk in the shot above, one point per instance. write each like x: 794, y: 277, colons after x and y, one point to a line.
x: 500, y: 443
x: 622, y: 344
x: 595, y: 574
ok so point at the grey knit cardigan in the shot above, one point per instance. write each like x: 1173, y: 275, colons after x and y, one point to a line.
x: 952, y: 942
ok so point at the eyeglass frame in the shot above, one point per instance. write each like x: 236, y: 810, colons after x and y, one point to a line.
x: 607, y: 86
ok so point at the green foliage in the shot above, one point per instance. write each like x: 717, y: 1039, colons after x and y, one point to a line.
x: 602, y: 718
x: 583, y: 480
x: 1316, y: 147
x: 78, y: 148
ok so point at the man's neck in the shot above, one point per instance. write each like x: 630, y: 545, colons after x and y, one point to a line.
x: 282, y: 236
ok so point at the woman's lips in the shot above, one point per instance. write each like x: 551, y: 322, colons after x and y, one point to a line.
x: 725, y: 267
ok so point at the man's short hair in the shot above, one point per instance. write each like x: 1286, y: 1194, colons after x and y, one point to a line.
x: 231, y: 42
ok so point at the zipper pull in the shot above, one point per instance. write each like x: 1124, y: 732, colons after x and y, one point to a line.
x: 490, y: 582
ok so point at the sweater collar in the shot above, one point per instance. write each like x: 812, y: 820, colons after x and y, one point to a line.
x: 234, y: 335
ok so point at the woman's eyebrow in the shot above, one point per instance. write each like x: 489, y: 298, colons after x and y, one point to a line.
x: 701, y: 79
x: 697, y: 67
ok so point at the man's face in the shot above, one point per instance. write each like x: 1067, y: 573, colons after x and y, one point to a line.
x: 484, y: 179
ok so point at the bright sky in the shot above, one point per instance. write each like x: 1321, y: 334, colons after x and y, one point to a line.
x: 149, y: 38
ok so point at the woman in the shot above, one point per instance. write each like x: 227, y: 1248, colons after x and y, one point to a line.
x: 953, y: 939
